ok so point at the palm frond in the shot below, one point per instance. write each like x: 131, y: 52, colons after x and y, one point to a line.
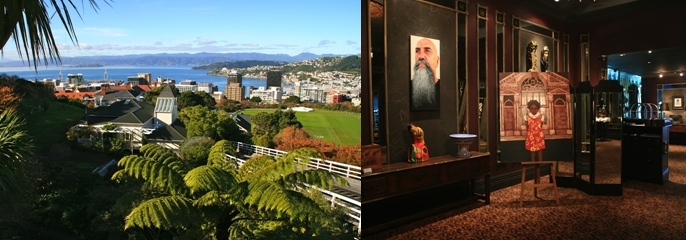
x: 164, y: 213
x: 207, y: 178
x: 155, y: 173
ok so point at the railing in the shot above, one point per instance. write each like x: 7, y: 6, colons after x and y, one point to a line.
x: 353, y: 205
x: 341, y: 169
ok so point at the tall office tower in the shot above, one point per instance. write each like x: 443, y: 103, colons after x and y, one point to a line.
x: 273, y: 79
x: 234, y: 77
x: 234, y: 91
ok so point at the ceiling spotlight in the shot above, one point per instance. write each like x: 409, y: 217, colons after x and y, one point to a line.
x: 681, y: 74
x: 622, y: 55
x: 650, y: 51
x: 660, y: 74
x: 648, y: 62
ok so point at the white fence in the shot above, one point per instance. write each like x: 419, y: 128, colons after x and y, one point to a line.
x: 341, y: 169
x: 354, y: 206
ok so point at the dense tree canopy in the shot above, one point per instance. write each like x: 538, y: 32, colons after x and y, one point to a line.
x: 270, y: 124
x: 151, y: 96
x: 218, y: 125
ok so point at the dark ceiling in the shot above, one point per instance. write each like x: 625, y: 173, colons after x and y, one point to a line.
x: 668, y: 61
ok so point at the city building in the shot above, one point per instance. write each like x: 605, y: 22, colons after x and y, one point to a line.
x: 206, y: 87
x: 274, y: 78
x: 234, y: 86
x: 234, y: 77
x: 234, y: 91
x: 313, y: 94
x: 187, y: 86
x: 75, y: 79
x: 270, y: 95
x: 297, y: 87
x: 140, y: 79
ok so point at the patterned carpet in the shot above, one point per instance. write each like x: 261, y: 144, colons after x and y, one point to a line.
x: 645, y: 211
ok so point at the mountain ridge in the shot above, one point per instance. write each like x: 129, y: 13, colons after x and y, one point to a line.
x: 177, y: 59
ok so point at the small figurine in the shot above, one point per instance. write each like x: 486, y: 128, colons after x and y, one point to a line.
x: 418, y: 151
x: 531, y: 59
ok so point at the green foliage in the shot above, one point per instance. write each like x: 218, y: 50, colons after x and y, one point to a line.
x: 189, y: 99
x: 217, y: 156
x: 218, y: 125
x: 151, y: 96
x: 292, y: 99
x: 256, y: 99
x: 109, y: 127
x: 196, y: 149
x: 219, y: 201
x: 116, y: 144
x: 70, y: 197
x: 265, y: 126
x: 207, y: 99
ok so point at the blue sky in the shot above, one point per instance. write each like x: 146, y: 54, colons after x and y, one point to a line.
x: 221, y: 26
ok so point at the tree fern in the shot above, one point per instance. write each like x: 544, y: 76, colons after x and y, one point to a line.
x: 152, y: 172
x: 164, y: 213
x: 218, y: 154
x: 207, y: 178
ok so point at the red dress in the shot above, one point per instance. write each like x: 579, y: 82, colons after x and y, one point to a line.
x: 534, y: 133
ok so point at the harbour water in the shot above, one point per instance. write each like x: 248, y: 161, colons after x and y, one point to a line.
x: 178, y: 73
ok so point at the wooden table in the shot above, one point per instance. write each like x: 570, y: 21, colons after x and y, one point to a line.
x: 404, y: 184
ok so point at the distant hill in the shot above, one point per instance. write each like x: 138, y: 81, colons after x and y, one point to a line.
x: 349, y: 63
x: 176, y: 59
x: 238, y: 64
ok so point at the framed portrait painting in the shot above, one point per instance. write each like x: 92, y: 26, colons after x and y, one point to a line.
x: 425, y: 73
x: 678, y: 103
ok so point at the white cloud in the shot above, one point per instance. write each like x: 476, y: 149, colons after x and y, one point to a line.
x: 350, y: 42
x: 250, y: 45
x: 202, y: 41
x: 324, y: 43
x: 158, y: 43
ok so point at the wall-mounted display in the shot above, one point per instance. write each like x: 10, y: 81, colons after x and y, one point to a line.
x: 678, y: 103
x: 425, y: 73
x: 535, y: 110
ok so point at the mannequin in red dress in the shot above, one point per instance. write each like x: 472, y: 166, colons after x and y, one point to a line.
x: 535, y: 141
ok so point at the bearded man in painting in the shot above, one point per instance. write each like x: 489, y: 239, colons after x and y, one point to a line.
x: 425, y: 80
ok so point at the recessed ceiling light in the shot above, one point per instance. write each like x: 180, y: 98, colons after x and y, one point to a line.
x: 650, y: 51
x: 622, y: 55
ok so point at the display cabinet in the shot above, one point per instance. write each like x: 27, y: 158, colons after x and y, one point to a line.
x: 645, y: 150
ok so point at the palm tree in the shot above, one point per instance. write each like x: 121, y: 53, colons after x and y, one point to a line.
x: 220, y: 200
x: 28, y: 23
x: 15, y: 150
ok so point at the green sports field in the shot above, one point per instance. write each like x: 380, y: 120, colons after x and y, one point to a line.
x: 339, y: 127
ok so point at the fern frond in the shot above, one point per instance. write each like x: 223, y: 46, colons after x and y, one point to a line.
x: 207, y: 178
x: 247, y: 171
x: 318, y: 178
x: 164, y: 213
x: 272, y: 197
x: 217, y: 156
x: 155, y: 173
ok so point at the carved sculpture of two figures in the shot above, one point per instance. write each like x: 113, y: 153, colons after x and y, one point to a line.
x: 532, y: 59
x: 418, y: 151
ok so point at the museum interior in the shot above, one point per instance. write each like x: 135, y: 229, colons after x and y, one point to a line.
x: 531, y: 119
